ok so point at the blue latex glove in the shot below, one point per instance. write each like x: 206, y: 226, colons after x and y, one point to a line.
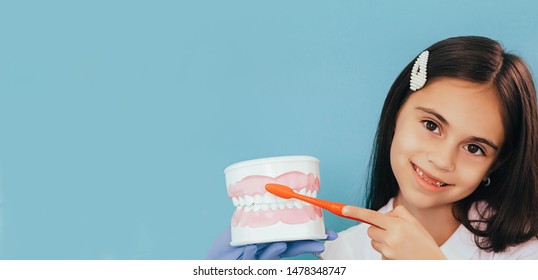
x: 222, y: 250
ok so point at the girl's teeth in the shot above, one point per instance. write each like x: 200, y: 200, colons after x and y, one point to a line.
x: 421, y: 174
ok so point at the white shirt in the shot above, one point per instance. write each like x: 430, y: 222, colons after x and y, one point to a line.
x: 354, y: 243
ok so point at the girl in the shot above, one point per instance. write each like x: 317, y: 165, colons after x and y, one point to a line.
x: 454, y: 170
x: 455, y: 161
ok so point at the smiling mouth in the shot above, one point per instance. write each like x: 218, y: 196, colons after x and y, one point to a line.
x: 430, y: 179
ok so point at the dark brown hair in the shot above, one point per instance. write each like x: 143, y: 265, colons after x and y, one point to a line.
x: 511, y: 213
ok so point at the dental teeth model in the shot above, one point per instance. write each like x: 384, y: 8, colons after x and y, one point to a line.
x: 262, y: 217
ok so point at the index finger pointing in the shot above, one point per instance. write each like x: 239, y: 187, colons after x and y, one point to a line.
x: 366, y: 215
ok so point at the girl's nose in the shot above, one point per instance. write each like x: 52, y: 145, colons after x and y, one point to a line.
x: 442, y: 158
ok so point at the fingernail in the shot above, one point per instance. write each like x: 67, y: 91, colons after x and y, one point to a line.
x: 346, y: 211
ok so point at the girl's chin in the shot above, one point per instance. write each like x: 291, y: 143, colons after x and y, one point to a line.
x: 418, y: 199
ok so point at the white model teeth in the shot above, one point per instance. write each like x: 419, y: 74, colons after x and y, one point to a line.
x: 269, y: 201
x: 427, y: 179
x: 268, y: 198
x: 249, y: 200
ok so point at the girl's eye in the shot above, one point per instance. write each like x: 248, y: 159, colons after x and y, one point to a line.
x: 431, y: 126
x: 475, y: 150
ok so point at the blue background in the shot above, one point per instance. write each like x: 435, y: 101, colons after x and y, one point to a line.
x: 117, y: 118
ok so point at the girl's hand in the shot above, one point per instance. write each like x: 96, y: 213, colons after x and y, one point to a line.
x: 397, y: 234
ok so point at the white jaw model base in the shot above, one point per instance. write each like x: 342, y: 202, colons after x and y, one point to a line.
x: 262, y: 217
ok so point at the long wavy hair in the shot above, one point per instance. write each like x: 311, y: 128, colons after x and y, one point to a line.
x: 511, y: 213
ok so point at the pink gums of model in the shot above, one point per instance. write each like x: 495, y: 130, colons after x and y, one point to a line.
x: 258, y: 208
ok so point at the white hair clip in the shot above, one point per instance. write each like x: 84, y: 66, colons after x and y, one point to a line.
x: 418, y: 73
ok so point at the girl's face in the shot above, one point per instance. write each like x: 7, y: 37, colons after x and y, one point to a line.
x: 447, y: 136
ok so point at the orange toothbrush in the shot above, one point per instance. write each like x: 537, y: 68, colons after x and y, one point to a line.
x: 287, y: 193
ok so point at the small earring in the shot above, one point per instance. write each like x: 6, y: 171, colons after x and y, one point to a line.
x: 487, y: 182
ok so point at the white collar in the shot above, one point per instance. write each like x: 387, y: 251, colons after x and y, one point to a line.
x: 460, y: 245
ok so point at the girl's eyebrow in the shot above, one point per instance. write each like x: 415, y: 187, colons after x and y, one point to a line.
x: 443, y: 120
x: 432, y: 112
